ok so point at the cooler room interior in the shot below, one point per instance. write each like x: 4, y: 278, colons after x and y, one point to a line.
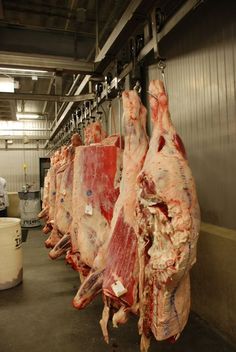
x: 117, y: 175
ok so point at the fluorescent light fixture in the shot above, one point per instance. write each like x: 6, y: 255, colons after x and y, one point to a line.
x: 9, y: 141
x: 7, y: 84
x: 21, y: 70
x: 27, y: 116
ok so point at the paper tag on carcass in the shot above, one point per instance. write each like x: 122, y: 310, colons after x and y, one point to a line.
x: 88, y: 209
x: 118, y: 288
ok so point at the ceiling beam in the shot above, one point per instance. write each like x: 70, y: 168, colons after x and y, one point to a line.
x: 44, y: 62
x: 47, y: 97
x: 118, y: 29
x: 20, y: 137
x: 50, y: 30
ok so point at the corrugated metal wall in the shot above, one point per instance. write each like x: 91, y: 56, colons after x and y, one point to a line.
x: 12, y: 161
x: 11, y: 168
x: 14, y: 128
x: 200, y: 76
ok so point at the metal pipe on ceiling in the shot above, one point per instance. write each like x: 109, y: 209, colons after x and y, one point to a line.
x: 47, y: 97
x: 81, y: 34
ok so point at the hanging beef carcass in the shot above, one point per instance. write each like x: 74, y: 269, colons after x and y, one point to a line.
x: 60, y: 189
x: 48, y: 210
x: 56, y: 176
x: 97, y: 170
x: 169, y: 220
x: 45, y: 203
x: 93, y: 133
x: 104, y: 196
x: 120, y: 281
x: 119, y: 253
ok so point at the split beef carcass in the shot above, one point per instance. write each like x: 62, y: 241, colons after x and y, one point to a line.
x: 109, y: 196
x: 55, y: 235
x: 97, y: 170
x: 45, y: 202
x: 120, y: 282
x: 59, y: 199
x: 169, y: 219
x: 63, y: 203
x: 118, y: 256
x: 48, y: 211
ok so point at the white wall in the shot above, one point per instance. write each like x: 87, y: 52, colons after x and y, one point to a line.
x: 12, y: 161
x: 11, y: 168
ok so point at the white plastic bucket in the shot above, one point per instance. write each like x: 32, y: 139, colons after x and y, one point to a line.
x: 11, y: 261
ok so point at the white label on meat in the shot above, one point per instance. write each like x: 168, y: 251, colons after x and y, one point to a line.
x: 118, y: 288
x: 88, y: 209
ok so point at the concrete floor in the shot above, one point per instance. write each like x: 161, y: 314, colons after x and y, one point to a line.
x: 38, y: 316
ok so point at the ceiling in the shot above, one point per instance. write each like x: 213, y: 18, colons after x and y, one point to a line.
x: 58, y: 28
x: 55, y: 43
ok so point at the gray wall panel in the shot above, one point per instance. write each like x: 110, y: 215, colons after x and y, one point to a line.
x: 200, y: 76
x: 11, y: 168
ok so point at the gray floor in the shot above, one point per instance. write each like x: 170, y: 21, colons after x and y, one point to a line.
x: 38, y: 316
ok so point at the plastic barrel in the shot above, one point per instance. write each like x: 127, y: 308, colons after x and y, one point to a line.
x: 11, y: 261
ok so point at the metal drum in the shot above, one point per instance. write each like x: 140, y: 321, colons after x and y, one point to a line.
x: 29, y: 208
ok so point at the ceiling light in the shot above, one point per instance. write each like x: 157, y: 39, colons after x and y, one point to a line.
x: 28, y: 116
x: 6, y: 84
x: 21, y: 70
